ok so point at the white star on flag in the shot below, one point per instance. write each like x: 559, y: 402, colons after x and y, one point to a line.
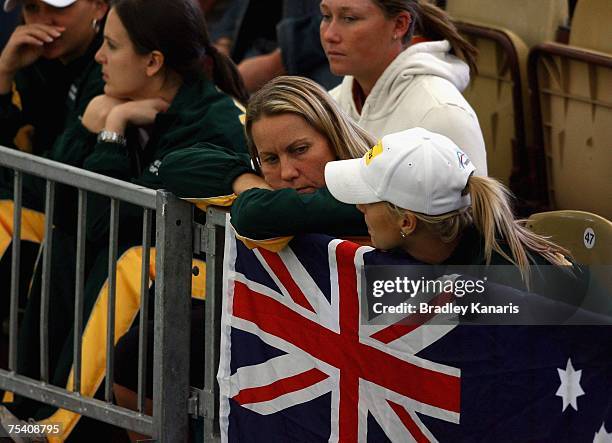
x: 570, y: 388
x: 602, y: 436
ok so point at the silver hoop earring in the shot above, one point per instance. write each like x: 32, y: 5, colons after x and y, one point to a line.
x: 95, y: 24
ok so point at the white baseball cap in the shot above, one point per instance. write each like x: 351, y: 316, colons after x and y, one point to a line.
x: 414, y: 169
x: 9, y: 5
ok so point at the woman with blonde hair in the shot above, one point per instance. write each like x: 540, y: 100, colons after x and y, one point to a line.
x: 405, y: 65
x: 293, y: 129
x: 419, y: 195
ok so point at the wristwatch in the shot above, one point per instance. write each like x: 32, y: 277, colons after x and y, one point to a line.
x: 112, y: 137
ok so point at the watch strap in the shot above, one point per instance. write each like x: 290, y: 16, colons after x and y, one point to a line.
x: 112, y: 137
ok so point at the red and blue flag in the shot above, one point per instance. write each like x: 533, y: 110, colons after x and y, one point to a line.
x: 298, y: 364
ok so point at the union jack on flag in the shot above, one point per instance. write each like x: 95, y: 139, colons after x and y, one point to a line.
x: 298, y: 365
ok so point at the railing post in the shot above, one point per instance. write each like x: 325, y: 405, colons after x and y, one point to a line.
x: 174, y: 242
x: 215, y: 240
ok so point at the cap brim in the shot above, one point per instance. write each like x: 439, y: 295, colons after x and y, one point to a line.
x: 344, y: 181
x: 9, y: 5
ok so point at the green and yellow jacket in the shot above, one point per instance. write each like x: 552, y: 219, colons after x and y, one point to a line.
x: 47, y: 101
x: 260, y: 213
x: 48, y: 98
x: 201, y: 119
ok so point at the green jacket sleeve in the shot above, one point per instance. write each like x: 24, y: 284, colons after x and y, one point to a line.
x: 261, y: 214
x: 205, y: 170
x: 109, y: 159
x: 199, y: 118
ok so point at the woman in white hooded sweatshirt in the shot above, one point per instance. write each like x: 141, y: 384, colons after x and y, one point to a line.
x: 405, y: 65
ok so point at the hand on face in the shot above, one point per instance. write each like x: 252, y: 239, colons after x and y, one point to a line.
x: 136, y: 113
x: 94, y: 118
x: 26, y: 45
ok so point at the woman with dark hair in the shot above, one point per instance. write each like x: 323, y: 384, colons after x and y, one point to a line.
x: 156, y: 57
x: 405, y: 65
x: 166, y: 89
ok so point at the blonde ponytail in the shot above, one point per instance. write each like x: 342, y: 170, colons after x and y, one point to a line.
x: 492, y: 215
x: 494, y: 218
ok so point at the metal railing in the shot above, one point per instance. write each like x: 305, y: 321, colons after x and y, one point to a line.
x: 211, y: 240
x: 175, y: 246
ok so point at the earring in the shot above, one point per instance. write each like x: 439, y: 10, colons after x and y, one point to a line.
x: 95, y: 24
x: 403, y: 234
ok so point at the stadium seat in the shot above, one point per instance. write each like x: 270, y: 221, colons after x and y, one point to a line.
x: 587, y: 236
x: 499, y: 91
x: 591, y: 25
x: 532, y: 21
x: 572, y: 103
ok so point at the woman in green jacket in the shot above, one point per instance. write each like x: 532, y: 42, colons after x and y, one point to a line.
x: 47, y: 70
x: 166, y: 90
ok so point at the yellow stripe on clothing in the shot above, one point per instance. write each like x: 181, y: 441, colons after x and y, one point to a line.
x: 32, y: 229
x: 23, y: 139
x: 32, y: 225
x: 204, y: 203
x: 279, y: 243
x: 127, y: 305
x: 275, y: 244
x: 16, y: 97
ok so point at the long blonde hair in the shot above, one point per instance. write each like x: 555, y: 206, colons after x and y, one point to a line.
x: 305, y: 98
x: 491, y: 213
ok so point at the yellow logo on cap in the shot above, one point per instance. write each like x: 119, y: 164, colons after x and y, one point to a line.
x: 376, y: 150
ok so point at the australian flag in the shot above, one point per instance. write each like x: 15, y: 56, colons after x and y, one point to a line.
x: 298, y: 365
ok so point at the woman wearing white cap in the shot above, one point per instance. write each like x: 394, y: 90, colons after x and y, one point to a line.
x: 47, y: 69
x: 418, y: 194
x: 405, y: 66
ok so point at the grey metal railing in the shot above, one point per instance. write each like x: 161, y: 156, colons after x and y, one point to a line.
x: 174, y: 245
x: 210, y: 239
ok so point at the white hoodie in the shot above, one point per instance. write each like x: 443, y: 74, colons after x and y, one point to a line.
x: 421, y: 87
